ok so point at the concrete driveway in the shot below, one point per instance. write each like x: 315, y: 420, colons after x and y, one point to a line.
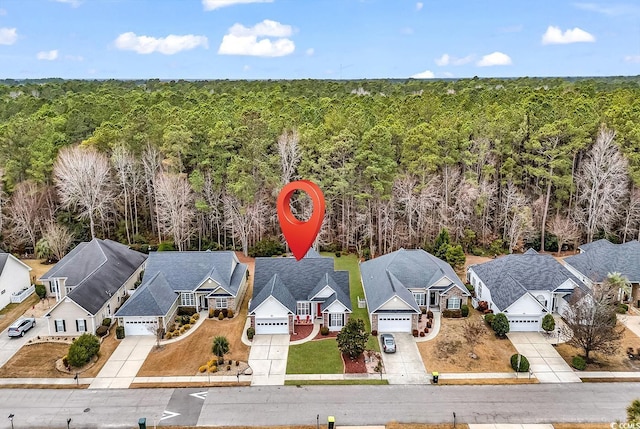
x: 545, y: 362
x: 268, y: 359
x: 405, y: 366
x: 124, y: 363
x: 9, y: 346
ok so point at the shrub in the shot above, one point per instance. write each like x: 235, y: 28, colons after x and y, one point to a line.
x: 216, y: 312
x: 237, y: 363
x: 192, y: 321
x: 65, y: 361
x: 483, y: 306
x: 324, y: 330
x: 251, y: 331
x: 186, y: 327
x: 41, y: 291
x: 224, y: 312
x: 622, y: 308
x: 220, y: 316
x: 464, y: 310
x: 579, y: 363
x: 83, y: 349
x: 168, y: 335
x: 452, y: 314
x: 267, y: 247
x: 166, y: 246
x: 415, y: 332
x: 548, y: 323
x: 213, y: 368
x: 195, y: 316
x: 220, y: 347
x: 211, y: 313
x: 423, y: 310
x: 186, y: 311
x: 185, y: 319
x: 422, y: 333
x: 429, y: 314
x: 524, y: 363
x: 106, y: 322
x: 102, y: 331
x: 230, y: 313
x: 120, y: 332
x: 230, y: 362
x: 338, y: 254
x: 374, y: 333
x: 203, y: 368
x: 500, y: 325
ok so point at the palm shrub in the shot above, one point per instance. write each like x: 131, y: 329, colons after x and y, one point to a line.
x: 500, y: 325
x: 548, y: 323
x: 220, y: 347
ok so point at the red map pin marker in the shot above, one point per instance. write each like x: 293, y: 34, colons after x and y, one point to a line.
x: 299, y: 234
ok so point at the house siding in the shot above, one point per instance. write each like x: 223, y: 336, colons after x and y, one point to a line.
x: 14, y: 278
x: 69, y: 311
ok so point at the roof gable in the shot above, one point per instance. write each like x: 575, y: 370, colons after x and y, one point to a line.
x: 601, y: 258
x: 277, y: 290
x: 154, y: 297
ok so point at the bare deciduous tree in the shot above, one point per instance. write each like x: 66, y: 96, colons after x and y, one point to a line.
x: 176, y: 208
x: 632, y: 215
x: 289, y: 154
x: 565, y: 230
x: 26, y: 212
x: 83, y: 181
x: 58, y: 239
x: 244, y: 220
x: 151, y: 162
x: 517, y: 218
x: 591, y: 320
x: 123, y: 163
x: 602, y: 185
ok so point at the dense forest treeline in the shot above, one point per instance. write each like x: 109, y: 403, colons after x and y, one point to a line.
x: 499, y: 163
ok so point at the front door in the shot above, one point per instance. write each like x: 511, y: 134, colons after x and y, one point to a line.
x: 204, y: 302
x: 319, y: 310
x: 433, y: 299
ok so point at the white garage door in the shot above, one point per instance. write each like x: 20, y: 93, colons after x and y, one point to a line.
x: 394, y: 323
x: 524, y: 323
x: 140, y: 325
x: 272, y: 326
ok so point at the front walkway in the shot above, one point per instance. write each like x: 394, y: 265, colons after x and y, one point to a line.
x: 124, y: 363
x: 405, y: 365
x: 268, y: 359
x: 546, y: 364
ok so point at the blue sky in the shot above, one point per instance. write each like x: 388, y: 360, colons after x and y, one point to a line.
x: 325, y: 39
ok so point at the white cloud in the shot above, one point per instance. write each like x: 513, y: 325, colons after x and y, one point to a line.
x: 8, y: 36
x: 494, y: 59
x: 47, y: 55
x: 419, y: 5
x: 73, y: 3
x: 241, y: 40
x: 632, y: 59
x: 555, y: 36
x: 169, y: 45
x: 217, y: 4
x: 310, y: 52
x: 427, y: 74
x: 447, y: 59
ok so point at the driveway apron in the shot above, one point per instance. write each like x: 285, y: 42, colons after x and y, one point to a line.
x: 405, y: 366
x: 10, y: 346
x: 545, y: 362
x: 124, y: 363
x: 268, y: 359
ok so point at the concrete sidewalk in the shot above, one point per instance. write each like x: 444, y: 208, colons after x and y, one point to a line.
x: 545, y: 362
x: 124, y: 364
x: 510, y: 426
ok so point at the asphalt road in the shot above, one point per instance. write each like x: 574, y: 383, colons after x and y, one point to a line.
x: 351, y: 405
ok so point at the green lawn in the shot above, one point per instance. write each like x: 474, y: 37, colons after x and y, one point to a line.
x: 350, y: 263
x: 331, y: 382
x: 315, y: 357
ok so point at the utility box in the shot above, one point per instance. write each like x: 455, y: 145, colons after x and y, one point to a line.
x: 435, y: 376
x: 142, y: 423
x: 331, y: 421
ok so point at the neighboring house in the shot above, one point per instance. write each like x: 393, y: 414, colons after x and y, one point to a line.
x: 199, y: 280
x: 600, y: 258
x: 398, y: 285
x: 89, y: 284
x: 524, y: 287
x: 287, y: 292
x: 14, y: 277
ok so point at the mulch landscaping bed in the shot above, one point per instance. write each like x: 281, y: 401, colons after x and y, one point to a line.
x: 332, y: 334
x: 302, y: 332
x: 354, y: 366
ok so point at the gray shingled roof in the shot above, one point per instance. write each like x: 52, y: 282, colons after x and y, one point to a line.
x: 602, y: 257
x: 185, y: 271
x: 153, y: 298
x: 299, y: 278
x: 3, y: 260
x: 511, y: 276
x: 97, y: 270
x: 397, y: 272
x: 275, y: 287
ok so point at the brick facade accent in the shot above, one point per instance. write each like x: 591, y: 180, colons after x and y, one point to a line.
x: 291, y: 325
x: 374, y: 322
x: 453, y: 293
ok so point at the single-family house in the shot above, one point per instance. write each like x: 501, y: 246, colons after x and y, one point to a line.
x: 600, y: 258
x: 89, y: 284
x: 287, y: 292
x: 398, y: 285
x: 198, y: 280
x: 524, y: 287
x: 14, y: 278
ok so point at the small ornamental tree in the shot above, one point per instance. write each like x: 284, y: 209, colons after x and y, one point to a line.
x: 352, y: 339
x: 548, y: 323
x: 83, y: 349
x: 500, y: 325
x: 220, y: 347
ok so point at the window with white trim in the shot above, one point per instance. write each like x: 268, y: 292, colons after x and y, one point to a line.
x: 303, y: 308
x: 221, y: 303
x: 420, y: 298
x: 453, y: 303
x: 479, y: 288
x: 81, y: 325
x: 336, y: 319
x: 60, y: 325
x: 53, y: 286
x: 188, y: 299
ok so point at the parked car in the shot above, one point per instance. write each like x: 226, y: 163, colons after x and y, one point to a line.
x: 21, y: 326
x: 388, y: 343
